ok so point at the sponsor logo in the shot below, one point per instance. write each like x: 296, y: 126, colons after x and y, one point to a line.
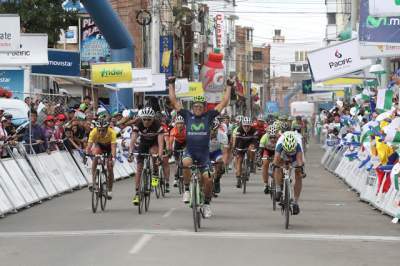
x: 377, y: 22
x: 115, y: 72
x: 198, y: 127
x: 339, y: 63
x: 5, y: 36
x: 60, y: 63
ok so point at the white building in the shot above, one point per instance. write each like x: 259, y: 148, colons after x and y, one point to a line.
x: 338, y: 16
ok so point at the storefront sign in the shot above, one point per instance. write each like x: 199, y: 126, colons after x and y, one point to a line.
x: 336, y: 61
x: 166, y: 55
x: 94, y: 48
x: 377, y: 30
x: 33, y: 51
x: 219, y: 30
x: 382, y: 8
x: 9, y: 33
x: 194, y: 89
x: 110, y: 73
x: 61, y: 63
x: 374, y: 51
x: 13, y: 80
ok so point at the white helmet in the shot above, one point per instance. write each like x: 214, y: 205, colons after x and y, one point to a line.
x: 246, y: 121
x: 147, y: 112
x: 179, y: 119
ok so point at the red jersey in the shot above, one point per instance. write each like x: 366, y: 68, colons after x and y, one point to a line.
x: 260, y: 128
x: 178, y: 136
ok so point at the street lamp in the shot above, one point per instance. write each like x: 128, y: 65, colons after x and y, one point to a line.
x: 378, y: 71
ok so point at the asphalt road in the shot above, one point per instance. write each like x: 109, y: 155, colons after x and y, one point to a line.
x: 333, y: 228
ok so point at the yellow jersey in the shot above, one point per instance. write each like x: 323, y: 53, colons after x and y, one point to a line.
x: 109, y: 138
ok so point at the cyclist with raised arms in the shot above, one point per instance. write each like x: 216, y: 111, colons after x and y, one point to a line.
x: 267, y: 144
x: 103, y: 139
x: 198, y: 126
x: 288, y: 150
x: 150, y: 136
x: 245, y: 139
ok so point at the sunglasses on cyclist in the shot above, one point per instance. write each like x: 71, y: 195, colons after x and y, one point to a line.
x: 147, y: 119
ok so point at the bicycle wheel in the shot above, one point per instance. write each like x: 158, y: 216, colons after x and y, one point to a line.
x: 273, y: 194
x: 158, y: 187
x: 244, y: 175
x: 147, y: 191
x: 95, y: 194
x: 194, y: 207
x: 180, y: 178
x: 103, y: 191
x: 287, y: 202
x: 142, y: 191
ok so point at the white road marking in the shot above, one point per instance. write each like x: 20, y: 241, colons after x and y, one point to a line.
x: 184, y: 233
x: 168, y: 213
x: 141, y: 243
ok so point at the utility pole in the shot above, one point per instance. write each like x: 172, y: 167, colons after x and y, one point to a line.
x: 155, y: 37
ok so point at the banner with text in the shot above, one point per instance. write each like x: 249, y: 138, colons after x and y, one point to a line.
x: 9, y: 33
x: 61, y: 63
x: 33, y: 51
x: 13, y: 80
x: 141, y: 77
x: 336, y: 60
x: 382, y: 8
x: 110, y: 73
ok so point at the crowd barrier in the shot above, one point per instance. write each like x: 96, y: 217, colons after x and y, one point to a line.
x: 29, y: 178
x: 357, y: 169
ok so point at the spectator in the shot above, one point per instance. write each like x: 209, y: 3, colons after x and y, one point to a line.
x: 35, y: 133
x: 69, y: 141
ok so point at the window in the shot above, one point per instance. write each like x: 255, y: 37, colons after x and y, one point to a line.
x: 257, y: 56
x: 292, y: 67
x: 277, y: 32
x: 300, y: 56
x: 331, y: 18
x: 299, y: 68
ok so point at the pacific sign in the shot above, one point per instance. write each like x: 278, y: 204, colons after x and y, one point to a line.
x: 341, y: 62
x: 336, y: 61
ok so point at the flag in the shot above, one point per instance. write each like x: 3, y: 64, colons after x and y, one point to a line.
x: 385, y: 100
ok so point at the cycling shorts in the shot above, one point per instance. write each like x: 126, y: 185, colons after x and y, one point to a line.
x: 178, y: 147
x: 103, y: 148
x: 144, y: 148
x: 198, y: 157
x: 268, y: 154
x: 215, y: 155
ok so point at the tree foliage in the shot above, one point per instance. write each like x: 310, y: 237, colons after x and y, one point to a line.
x: 41, y: 16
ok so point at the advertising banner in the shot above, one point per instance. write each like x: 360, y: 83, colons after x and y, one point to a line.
x: 94, y: 48
x: 383, y: 8
x: 166, y: 55
x: 377, y: 30
x: 33, y: 51
x: 61, y: 63
x: 141, y: 77
x: 9, y: 33
x: 13, y: 80
x: 158, y: 84
x: 109, y: 73
x: 181, y: 86
x: 374, y: 51
x: 336, y: 61
x: 69, y: 36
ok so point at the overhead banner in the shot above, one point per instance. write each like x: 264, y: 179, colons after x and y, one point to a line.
x: 61, y: 63
x: 166, y: 56
x: 94, y: 48
x: 13, y: 80
x: 336, y: 60
x: 33, y: 51
x: 383, y: 8
x: 374, y: 51
x: 110, y: 73
x: 377, y: 30
x: 9, y: 33
x: 141, y: 77
x: 158, y: 84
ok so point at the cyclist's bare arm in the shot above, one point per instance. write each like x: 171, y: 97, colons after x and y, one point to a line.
x: 133, y: 141
x: 276, y: 158
x: 172, y: 96
x: 89, y: 147
x: 299, y: 158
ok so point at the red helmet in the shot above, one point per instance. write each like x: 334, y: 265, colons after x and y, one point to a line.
x: 61, y: 117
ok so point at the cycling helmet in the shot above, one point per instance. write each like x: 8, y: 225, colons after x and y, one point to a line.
x: 102, y: 123
x: 285, y: 126
x: 147, y: 112
x: 246, y: 121
x: 277, y: 125
x: 283, y: 117
x: 296, y: 127
x: 199, y: 99
x: 216, y: 123
x: 289, y: 142
x: 179, y: 119
x: 272, y: 130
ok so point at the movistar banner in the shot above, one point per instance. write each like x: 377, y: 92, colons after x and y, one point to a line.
x: 336, y: 61
x: 61, y: 63
x: 378, y: 30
